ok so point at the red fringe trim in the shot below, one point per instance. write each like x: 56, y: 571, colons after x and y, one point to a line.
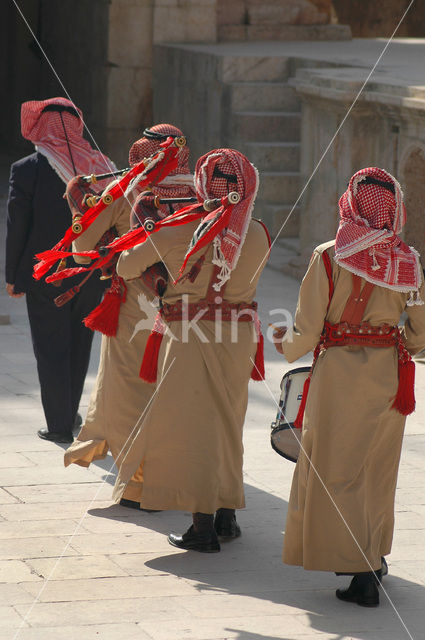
x: 258, y: 370
x: 149, y: 368
x: 404, y: 401
x: 105, y: 316
x: 300, y: 415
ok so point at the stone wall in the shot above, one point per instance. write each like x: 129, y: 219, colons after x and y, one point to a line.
x: 102, y: 53
x: 278, y: 20
x: 385, y: 128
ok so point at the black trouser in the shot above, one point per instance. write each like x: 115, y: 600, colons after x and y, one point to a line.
x: 62, y: 347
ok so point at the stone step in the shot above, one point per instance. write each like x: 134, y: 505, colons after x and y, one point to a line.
x: 275, y: 216
x: 274, y: 156
x: 278, y: 187
x: 251, y: 96
x: 254, y: 69
x: 265, y: 126
x: 282, y: 32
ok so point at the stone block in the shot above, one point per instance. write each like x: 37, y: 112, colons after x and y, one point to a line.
x: 130, y: 94
x: 13, y: 594
x: 265, y: 126
x: 274, y: 156
x: 23, y: 548
x: 35, y: 529
x: 10, y: 619
x: 231, y: 13
x: 118, y: 631
x: 42, y: 493
x: 284, y: 12
x: 16, y: 571
x: 285, y: 33
x: 10, y: 460
x: 39, y: 475
x: 185, y: 23
x: 253, y: 68
x: 75, y: 567
x: 118, y: 543
x: 130, y: 34
x: 278, y: 188
x: 231, y: 32
x: 247, y: 96
x: 275, y: 216
x: 73, y: 590
x: 52, y: 614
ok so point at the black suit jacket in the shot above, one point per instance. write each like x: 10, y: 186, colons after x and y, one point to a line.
x: 38, y: 217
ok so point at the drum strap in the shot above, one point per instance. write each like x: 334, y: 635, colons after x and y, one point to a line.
x: 357, y: 302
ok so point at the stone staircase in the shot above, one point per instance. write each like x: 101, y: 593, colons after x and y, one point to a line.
x: 264, y: 123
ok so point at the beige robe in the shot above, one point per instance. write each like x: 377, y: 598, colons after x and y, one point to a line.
x: 119, y: 396
x: 190, y: 442
x: 351, y: 436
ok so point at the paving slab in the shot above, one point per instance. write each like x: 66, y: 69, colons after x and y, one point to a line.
x: 115, y: 575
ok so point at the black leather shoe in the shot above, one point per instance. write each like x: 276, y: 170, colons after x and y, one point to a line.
x: 363, y: 590
x: 55, y: 436
x: 77, y: 422
x: 192, y: 541
x: 132, y: 504
x: 226, y: 528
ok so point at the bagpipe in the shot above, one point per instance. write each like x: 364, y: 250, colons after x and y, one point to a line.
x: 149, y: 171
x: 86, y: 204
x: 220, y: 208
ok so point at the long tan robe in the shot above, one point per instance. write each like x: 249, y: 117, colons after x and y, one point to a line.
x: 342, y: 498
x: 190, y: 442
x: 119, y: 396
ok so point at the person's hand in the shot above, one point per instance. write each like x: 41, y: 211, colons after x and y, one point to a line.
x: 10, y: 288
x: 278, y: 334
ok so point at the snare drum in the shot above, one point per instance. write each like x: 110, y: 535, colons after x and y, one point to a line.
x: 285, y: 438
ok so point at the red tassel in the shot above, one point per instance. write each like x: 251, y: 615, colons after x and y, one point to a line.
x: 258, y: 370
x: 300, y: 415
x: 105, y: 316
x: 404, y: 401
x: 66, y: 297
x: 149, y: 368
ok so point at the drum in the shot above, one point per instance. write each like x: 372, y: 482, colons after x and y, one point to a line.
x: 285, y: 438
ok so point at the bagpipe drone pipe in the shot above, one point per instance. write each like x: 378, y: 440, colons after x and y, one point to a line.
x: 86, y: 204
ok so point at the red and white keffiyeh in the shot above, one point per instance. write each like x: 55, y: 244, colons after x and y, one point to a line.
x: 367, y: 242
x: 218, y: 173
x: 179, y: 183
x: 59, y: 137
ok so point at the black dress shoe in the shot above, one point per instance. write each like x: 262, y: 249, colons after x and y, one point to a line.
x: 192, y: 541
x: 226, y: 528
x: 363, y: 590
x: 77, y: 422
x: 132, y: 504
x: 55, y: 436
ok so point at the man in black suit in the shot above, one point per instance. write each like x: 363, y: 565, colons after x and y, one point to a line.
x: 38, y: 217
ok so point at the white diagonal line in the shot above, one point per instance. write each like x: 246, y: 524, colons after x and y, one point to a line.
x: 334, y: 136
x: 338, y: 510
x: 80, y: 522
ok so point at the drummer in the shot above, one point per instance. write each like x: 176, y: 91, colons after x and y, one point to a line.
x: 341, y: 508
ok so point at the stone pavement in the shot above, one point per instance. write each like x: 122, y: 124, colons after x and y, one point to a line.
x: 74, y: 566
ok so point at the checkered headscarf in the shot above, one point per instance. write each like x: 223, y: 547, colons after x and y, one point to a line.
x: 58, y: 135
x: 217, y: 173
x: 372, y: 214
x: 179, y: 183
